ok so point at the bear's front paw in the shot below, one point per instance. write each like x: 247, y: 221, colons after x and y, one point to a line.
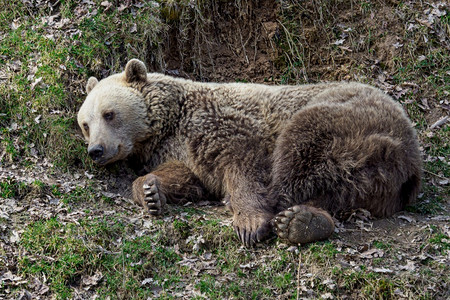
x: 252, y: 229
x: 147, y: 192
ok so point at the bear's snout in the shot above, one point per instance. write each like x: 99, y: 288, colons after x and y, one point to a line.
x: 95, y: 152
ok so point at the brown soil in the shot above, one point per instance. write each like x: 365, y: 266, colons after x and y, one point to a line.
x: 224, y: 42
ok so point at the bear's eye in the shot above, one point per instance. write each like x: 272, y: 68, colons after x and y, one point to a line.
x: 86, y: 127
x: 108, y: 116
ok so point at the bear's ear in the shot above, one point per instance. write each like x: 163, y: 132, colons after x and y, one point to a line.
x: 92, y: 82
x: 135, y: 70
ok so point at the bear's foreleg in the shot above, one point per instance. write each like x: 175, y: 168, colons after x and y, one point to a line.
x: 231, y: 152
x: 251, y: 223
x: 252, y: 208
x: 171, y: 182
x: 239, y: 165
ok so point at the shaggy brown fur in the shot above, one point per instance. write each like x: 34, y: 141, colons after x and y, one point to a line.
x: 335, y: 146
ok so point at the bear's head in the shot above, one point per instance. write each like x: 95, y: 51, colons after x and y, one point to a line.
x: 114, y: 116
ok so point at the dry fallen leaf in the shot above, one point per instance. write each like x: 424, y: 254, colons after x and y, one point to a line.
x: 15, y: 24
x: 9, y: 278
x: 327, y: 296
x: 372, y: 253
x: 122, y: 7
x: 406, y: 218
x: 90, y: 281
x: 133, y: 28
x: 106, y: 4
x: 249, y: 266
x: 382, y: 270
x: 14, y: 238
x: 36, y: 82
x: 439, y: 122
x: 443, y: 181
x: 410, y: 266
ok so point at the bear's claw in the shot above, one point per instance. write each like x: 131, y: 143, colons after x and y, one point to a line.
x: 147, y: 192
x: 302, y: 224
x: 252, y: 230
x: 250, y: 238
x: 154, y: 199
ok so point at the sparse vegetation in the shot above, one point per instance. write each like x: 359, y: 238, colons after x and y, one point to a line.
x: 67, y: 228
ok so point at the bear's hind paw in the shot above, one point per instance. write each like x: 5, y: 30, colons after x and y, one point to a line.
x: 302, y: 224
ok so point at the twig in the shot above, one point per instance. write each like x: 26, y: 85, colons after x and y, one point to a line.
x: 294, y: 51
x: 298, y: 273
x: 434, y: 174
x: 243, y: 46
x: 123, y: 270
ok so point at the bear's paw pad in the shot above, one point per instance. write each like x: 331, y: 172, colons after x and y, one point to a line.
x: 303, y: 224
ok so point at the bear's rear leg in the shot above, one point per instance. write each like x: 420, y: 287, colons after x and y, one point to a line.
x: 302, y: 224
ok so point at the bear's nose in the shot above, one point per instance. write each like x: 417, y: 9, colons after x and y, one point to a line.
x: 95, y: 152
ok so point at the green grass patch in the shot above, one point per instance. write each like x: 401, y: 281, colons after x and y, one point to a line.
x: 322, y: 251
x: 78, y: 195
x: 65, y: 253
x: 439, y: 241
x: 11, y: 188
x: 381, y: 245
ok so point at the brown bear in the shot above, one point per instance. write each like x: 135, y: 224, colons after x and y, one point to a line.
x: 286, y: 157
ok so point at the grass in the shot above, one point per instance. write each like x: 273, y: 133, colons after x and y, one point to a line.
x: 190, y: 252
x: 10, y: 188
x: 133, y: 263
x: 439, y: 241
x: 38, y: 112
x: 66, y: 252
x: 73, y: 251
